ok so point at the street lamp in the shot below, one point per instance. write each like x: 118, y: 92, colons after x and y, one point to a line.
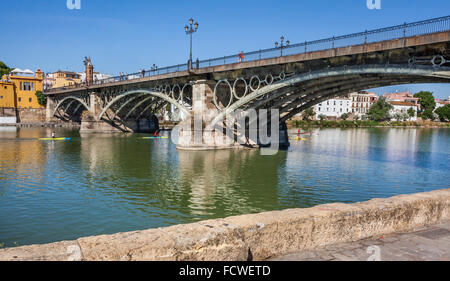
x: 282, y: 46
x: 189, y: 30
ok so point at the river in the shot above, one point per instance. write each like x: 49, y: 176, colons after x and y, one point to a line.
x: 107, y: 183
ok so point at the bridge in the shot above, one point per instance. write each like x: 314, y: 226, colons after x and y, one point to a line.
x: 289, y: 79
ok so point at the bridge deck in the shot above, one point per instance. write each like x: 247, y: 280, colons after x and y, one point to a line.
x: 406, y: 42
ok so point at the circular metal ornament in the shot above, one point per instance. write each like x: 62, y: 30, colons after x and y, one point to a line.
x: 250, y: 83
x: 215, y: 93
x: 440, y: 59
x: 179, y: 92
x: 267, y: 81
x: 234, y: 88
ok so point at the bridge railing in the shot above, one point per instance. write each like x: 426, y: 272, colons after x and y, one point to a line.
x: 369, y: 36
x: 366, y: 37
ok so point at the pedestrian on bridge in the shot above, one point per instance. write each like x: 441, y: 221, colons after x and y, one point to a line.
x: 241, y: 56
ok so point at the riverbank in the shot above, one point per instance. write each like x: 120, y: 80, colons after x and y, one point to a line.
x: 42, y: 125
x: 255, y: 236
x: 365, y: 124
x: 163, y: 126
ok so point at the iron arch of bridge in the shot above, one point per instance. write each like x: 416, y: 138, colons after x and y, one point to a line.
x: 72, y: 99
x: 376, y: 76
x: 143, y: 92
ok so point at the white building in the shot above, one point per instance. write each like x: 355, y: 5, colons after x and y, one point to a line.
x: 97, y: 76
x: 401, y: 108
x: 441, y: 103
x: 334, y: 107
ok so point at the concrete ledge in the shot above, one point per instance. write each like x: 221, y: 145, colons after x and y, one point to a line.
x: 255, y: 236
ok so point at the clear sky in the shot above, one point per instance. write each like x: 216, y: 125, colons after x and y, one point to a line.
x: 125, y: 36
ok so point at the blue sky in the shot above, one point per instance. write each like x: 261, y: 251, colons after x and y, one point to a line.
x: 125, y: 36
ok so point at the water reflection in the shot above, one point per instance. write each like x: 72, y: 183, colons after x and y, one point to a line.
x: 107, y: 183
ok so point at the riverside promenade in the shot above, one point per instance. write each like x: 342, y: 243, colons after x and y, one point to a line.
x: 265, y: 236
x: 431, y: 243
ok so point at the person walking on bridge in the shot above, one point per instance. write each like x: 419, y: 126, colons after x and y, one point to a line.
x: 241, y: 56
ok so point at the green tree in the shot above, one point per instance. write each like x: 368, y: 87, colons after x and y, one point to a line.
x: 380, y: 110
x: 411, y: 113
x: 443, y: 112
x: 427, y: 104
x: 42, y: 99
x: 308, y: 113
x: 344, y: 116
x: 322, y: 117
x: 4, y: 69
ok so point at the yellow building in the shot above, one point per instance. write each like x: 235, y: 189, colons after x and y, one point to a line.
x: 65, y: 78
x: 18, y: 89
x: 7, y: 97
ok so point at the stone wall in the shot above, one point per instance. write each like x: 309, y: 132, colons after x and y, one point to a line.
x: 255, y: 236
x: 31, y: 115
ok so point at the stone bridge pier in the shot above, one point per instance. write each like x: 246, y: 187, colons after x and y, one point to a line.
x: 199, y: 132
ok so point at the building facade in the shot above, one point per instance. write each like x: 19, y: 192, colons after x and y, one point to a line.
x: 402, y: 97
x: 361, y: 102
x: 65, y: 78
x: 400, y: 109
x: 96, y: 76
x: 441, y: 103
x: 18, y: 89
x: 334, y: 108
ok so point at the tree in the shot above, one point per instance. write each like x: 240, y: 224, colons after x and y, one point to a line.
x: 322, y: 117
x: 42, y: 99
x: 380, y: 110
x: 344, y: 116
x: 398, y: 116
x: 443, y: 112
x: 4, y: 69
x: 411, y: 113
x: 308, y: 113
x: 405, y: 116
x: 427, y: 104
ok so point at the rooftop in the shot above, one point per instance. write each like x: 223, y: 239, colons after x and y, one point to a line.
x: 402, y: 103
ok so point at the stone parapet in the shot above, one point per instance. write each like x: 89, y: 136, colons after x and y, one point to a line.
x: 254, y: 236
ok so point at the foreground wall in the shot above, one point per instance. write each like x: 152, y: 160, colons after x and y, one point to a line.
x: 255, y: 236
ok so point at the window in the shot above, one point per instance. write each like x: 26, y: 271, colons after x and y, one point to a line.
x: 1, y: 97
x: 21, y: 86
x: 30, y: 99
x: 27, y: 86
x: 20, y: 99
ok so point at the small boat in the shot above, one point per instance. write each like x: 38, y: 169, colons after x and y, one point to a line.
x: 54, y: 139
x: 147, y: 138
x: 299, y: 139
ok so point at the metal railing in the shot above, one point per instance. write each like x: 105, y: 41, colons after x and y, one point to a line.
x: 369, y: 36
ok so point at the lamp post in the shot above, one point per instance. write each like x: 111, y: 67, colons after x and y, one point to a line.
x: 189, y: 30
x: 282, y: 46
